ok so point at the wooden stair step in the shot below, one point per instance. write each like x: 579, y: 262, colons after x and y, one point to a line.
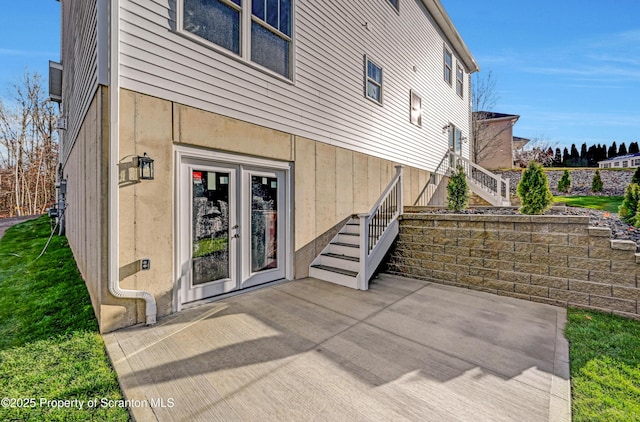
x: 336, y: 270
x: 348, y: 258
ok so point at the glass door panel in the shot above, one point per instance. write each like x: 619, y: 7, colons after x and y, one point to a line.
x: 210, y: 226
x: 264, y: 223
x: 232, y: 223
x: 265, y: 219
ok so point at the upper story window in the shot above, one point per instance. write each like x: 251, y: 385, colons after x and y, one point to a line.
x: 271, y: 34
x: 216, y: 21
x: 263, y: 36
x: 459, y: 81
x: 395, y: 4
x: 373, y: 87
x: 448, y: 66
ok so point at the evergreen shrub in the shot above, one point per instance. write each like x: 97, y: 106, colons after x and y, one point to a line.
x: 533, y: 190
x: 457, y: 190
x: 596, y: 182
x: 636, y: 177
x: 564, y: 184
x: 629, y: 207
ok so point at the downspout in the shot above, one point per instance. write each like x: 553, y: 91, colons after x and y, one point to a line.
x: 114, y: 152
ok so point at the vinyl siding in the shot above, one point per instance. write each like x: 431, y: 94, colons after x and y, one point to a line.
x: 325, y: 101
x: 80, y: 66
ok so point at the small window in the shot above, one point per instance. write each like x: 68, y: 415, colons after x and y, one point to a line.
x: 459, y: 81
x: 616, y: 164
x: 416, y: 109
x: 373, y: 81
x: 448, y: 66
x: 395, y: 4
x: 625, y: 164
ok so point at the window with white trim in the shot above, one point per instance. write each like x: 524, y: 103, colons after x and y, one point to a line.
x: 415, y: 109
x: 448, y: 66
x: 395, y: 4
x: 459, y: 81
x: 263, y: 37
x: 373, y: 78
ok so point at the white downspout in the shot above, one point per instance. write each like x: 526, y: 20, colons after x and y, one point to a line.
x: 114, y: 152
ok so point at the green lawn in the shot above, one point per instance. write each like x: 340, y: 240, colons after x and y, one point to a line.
x: 50, y: 348
x: 605, y: 367
x: 606, y: 203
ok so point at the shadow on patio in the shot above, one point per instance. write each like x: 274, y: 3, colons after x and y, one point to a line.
x: 406, y: 349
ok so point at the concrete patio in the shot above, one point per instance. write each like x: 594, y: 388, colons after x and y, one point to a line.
x: 310, y: 350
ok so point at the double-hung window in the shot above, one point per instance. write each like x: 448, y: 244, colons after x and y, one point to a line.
x: 217, y: 21
x: 271, y: 34
x: 448, y: 66
x: 259, y: 31
x: 373, y: 81
x: 459, y: 81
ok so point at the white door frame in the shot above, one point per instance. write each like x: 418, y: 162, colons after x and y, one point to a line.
x: 182, y: 264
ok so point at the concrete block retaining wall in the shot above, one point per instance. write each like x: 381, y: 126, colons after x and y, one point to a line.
x: 558, y: 260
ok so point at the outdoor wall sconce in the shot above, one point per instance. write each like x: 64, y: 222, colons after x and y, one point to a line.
x: 145, y: 167
x: 446, y: 128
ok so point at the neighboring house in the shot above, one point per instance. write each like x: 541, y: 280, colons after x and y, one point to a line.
x: 270, y: 123
x: 623, y: 161
x: 495, y: 144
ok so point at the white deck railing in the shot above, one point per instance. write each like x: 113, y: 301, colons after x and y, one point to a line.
x: 491, y: 187
x: 379, y: 228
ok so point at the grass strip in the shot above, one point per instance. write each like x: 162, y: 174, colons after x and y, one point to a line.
x: 605, y: 203
x: 50, y: 348
x: 605, y: 366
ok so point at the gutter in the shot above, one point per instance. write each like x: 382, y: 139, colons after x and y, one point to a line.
x: 113, y: 173
x: 443, y: 20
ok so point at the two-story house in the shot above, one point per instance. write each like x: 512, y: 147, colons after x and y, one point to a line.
x: 269, y: 122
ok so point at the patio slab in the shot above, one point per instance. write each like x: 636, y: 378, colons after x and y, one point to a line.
x: 310, y: 350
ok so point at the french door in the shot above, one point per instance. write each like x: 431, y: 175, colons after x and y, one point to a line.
x: 232, y: 224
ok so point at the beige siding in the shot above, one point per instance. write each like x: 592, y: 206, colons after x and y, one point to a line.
x: 86, y: 217
x: 326, y: 100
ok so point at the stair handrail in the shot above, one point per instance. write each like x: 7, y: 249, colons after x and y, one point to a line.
x: 374, y: 225
x: 499, y: 187
x: 441, y: 170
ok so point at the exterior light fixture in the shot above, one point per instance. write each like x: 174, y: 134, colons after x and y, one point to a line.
x: 446, y: 128
x: 145, y: 167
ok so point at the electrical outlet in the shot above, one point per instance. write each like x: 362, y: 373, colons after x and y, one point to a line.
x: 145, y: 264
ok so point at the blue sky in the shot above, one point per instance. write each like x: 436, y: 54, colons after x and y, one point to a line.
x: 569, y: 68
x: 29, y: 38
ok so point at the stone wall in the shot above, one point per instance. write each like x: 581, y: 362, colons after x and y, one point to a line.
x: 614, y: 181
x: 558, y: 260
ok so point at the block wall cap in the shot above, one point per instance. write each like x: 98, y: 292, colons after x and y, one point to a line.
x: 625, y: 245
x: 600, y: 231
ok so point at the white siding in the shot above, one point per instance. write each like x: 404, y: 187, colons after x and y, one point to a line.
x: 80, y: 66
x: 325, y: 101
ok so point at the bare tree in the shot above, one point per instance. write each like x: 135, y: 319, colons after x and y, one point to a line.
x: 28, y: 149
x: 483, y: 101
x: 538, y: 150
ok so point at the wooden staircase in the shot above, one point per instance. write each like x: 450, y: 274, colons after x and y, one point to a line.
x: 353, y: 255
x: 339, y: 261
